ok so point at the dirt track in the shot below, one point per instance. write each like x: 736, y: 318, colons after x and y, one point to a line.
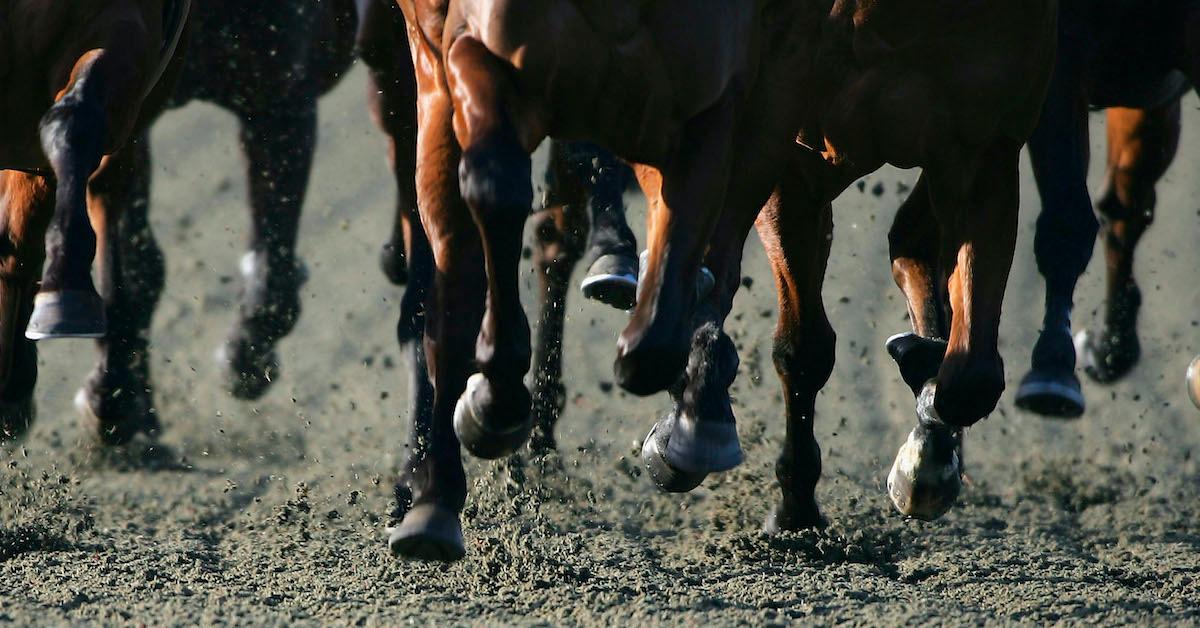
x: 273, y: 512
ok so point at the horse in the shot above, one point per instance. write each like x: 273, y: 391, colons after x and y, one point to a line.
x: 79, y: 80
x: 1135, y: 60
x: 685, y: 90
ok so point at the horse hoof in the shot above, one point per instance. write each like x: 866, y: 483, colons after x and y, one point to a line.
x: 428, y: 532
x: 612, y: 280
x: 16, y: 417
x: 783, y: 519
x: 111, y: 431
x: 1051, y: 394
x: 393, y: 264
x: 927, y: 475
x: 918, y: 358
x: 477, y: 433
x: 668, y: 478
x: 66, y: 314
x: 1108, y: 357
x: 1193, y: 381
x: 703, y: 446
x: 248, y: 372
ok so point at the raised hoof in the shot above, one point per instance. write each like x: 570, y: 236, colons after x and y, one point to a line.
x: 1193, y: 381
x: 1051, y: 394
x: 926, y: 477
x: 919, y: 358
x: 134, y: 419
x: 479, y: 435
x: 16, y: 417
x: 428, y: 532
x: 393, y: 264
x: 612, y: 280
x: 666, y: 477
x: 1107, y: 357
x: 248, y: 372
x: 66, y: 314
x: 781, y: 520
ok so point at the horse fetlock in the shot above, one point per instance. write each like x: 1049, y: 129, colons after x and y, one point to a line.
x: 966, y: 391
x: 493, y: 419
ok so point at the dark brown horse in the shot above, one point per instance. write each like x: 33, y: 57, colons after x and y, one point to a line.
x: 79, y: 79
x: 1136, y: 60
x: 708, y: 98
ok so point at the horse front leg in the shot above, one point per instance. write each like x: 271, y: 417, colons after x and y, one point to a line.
x: 433, y: 487
x: 117, y: 400
x: 91, y: 116
x: 493, y: 126
x: 1141, y: 145
x: 26, y: 204
x: 1066, y: 230
x: 976, y: 209
x: 278, y: 144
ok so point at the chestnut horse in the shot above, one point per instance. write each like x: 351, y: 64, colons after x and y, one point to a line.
x: 1136, y: 60
x: 78, y: 80
x: 707, y: 96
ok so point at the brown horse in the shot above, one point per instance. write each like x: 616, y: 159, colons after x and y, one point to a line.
x: 78, y: 79
x: 708, y: 97
x: 1136, y: 60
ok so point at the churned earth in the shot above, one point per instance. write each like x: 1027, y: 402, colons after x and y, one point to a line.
x: 273, y: 512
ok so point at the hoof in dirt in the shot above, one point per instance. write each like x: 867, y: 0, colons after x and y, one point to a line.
x: 703, y: 446
x: 393, y: 264
x: 612, y: 280
x: 16, y: 417
x: 474, y: 432
x: 110, y: 431
x: 926, y: 477
x: 1193, y: 381
x: 1051, y: 394
x: 66, y: 314
x: 248, y: 372
x: 428, y: 532
x: 781, y: 520
x: 668, y: 478
x: 1109, y: 356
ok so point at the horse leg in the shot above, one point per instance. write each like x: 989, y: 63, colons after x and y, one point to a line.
x: 26, y: 204
x: 116, y: 401
x: 494, y: 128
x: 1066, y: 230
x: 391, y: 97
x: 78, y: 129
x: 278, y: 143
x: 796, y: 229
x: 560, y: 231
x: 1141, y: 145
x: 976, y: 214
x: 688, y: 191
x: 612, y: 272
x: 435, y: 485
x: 915, y: 243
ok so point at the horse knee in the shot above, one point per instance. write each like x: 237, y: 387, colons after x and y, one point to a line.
x: 494, y: 179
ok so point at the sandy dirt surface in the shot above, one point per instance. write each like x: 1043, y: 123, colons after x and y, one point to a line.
x: 273, y: 512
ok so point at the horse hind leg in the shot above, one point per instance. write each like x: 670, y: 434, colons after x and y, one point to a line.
x: 278, y: 144
x: 1141, y: 145
x: 117, y: 401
